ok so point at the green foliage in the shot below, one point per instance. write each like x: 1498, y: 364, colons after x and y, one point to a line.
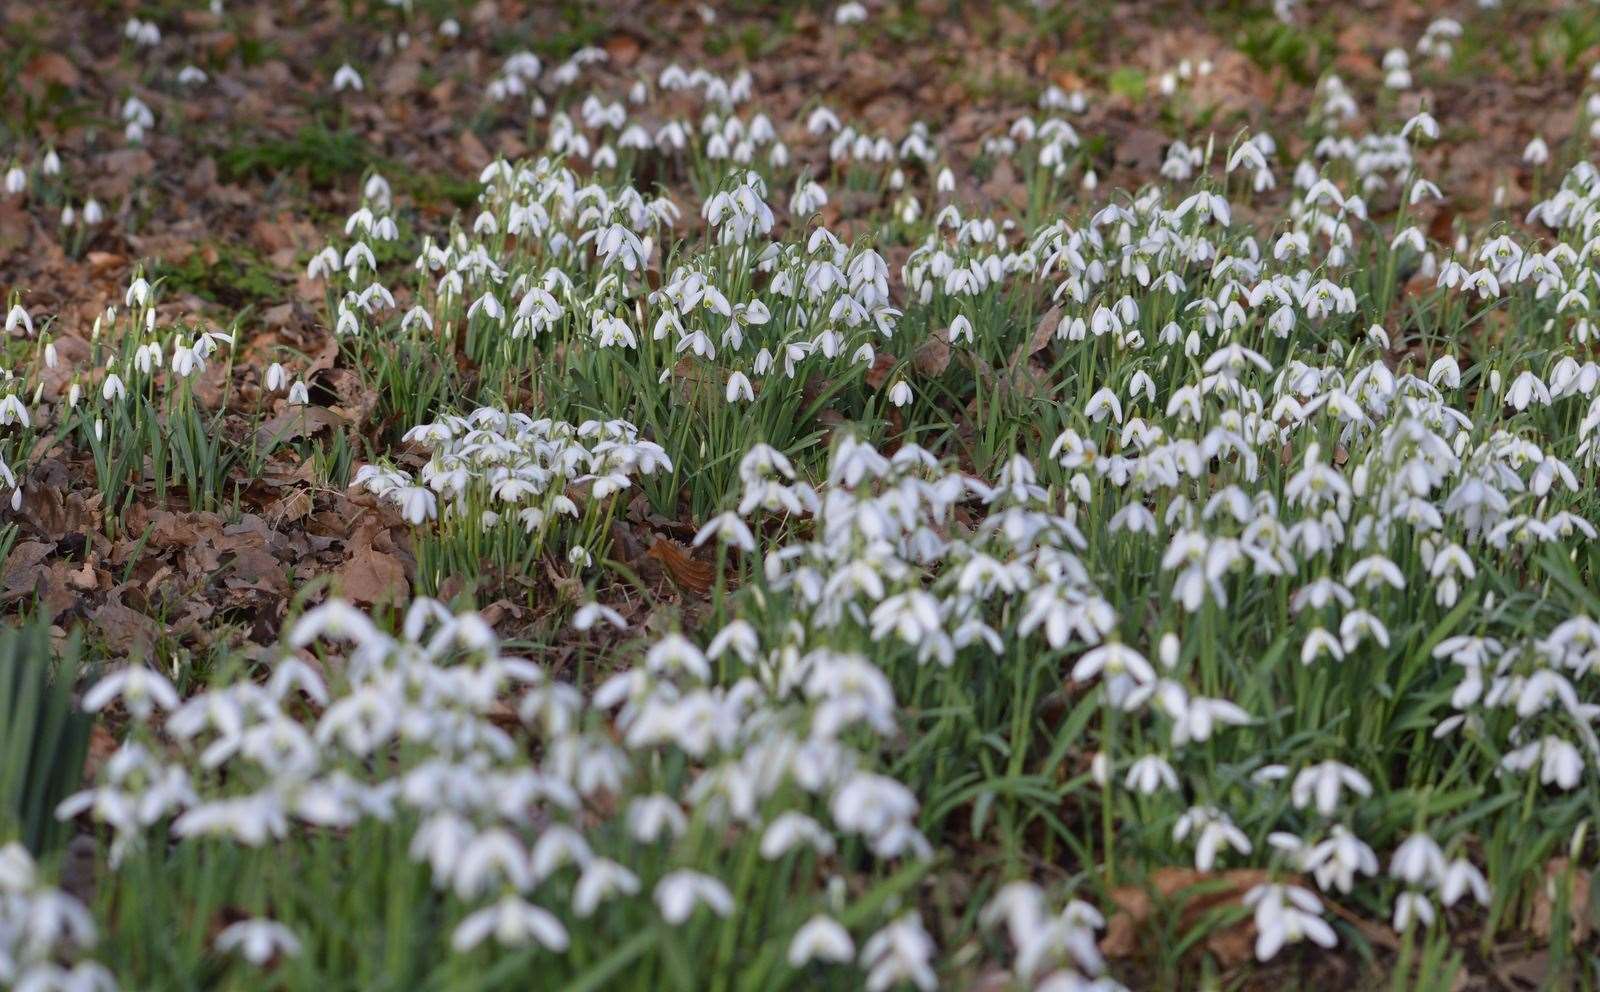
x: 43, y: 737
x: 1271, y: 44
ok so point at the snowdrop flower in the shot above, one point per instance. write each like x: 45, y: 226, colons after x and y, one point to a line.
x: 334, y: 619
x: 146, y: 33
x: 185, y: 361
x: 849, y: 13
x: 1561, y: 763
x: 730, y: 529
x: 140, y: 689
x: 1417, y: 861
x: 147, y: 358
x: 346, y: 78
x: 679, y: 892
x: 1324, y: 782
x: 1286, y: 914
x: 1113, y: 658
x: 1213, y: 829
x: 651, y: 817
x: 17, y: 870
x: 512, y: 922
x: 258, y: 940
x: 12, y: 411
x: 1149, y: 774
x: 601, y: 879
x: 1460, y: 877
x: 417, y: 503
x: 1338, y: 859
x: 18, y: 317
x: 900, y: 952
x: 790, y: 829
x: 590, y: 614
x: 820, y: 939
x: 1412, y: 907
x: 961, y: 328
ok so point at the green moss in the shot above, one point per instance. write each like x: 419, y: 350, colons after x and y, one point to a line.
x: 323, y: 155
x: 1128, y: 82
x: 438, y: 189
x: 238, y: 278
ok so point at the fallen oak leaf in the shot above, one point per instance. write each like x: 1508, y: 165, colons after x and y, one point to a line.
x: 21, y: 568
x: 695, y: 576
x: 124, y: 629
x: 102, y: 262
x: 932, y: 356
x: 289, y: 508
x: 371, y: 577
x: 296, y: 422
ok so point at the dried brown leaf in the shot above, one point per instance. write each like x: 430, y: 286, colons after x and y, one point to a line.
x: 695, y: 576
x: 1562, y: 879
x: 296, y: 422
x: 882, y: 365
x: 1136, y: 903
x: 370, y: 576
x: 49, y: 67
x: 932, y: 356
x: 289, y: 508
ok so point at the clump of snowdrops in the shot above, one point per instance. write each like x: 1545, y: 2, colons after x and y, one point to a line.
x: 470, y: 810
x: 510, y: 488
x: 1228, y: 523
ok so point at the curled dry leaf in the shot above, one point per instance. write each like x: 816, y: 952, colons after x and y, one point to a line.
x: 289, y: 508
x: 932, y: 356
x: 22, y: 567
x: 48, y: 68
x: 623, y: 49
x: 695, y: 576
x: 1044, y: 330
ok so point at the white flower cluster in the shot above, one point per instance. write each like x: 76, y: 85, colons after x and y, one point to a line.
x: 431, y: 733
x: 1055, y: 951
x: 492, y: 463
x: 44, y: 932
x: 882, y: 555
